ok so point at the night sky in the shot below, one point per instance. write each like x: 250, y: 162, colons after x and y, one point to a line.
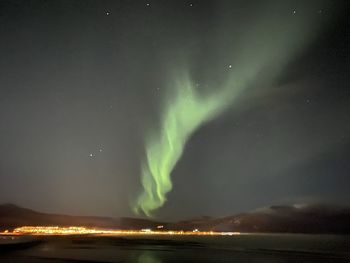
x: 83, y: 83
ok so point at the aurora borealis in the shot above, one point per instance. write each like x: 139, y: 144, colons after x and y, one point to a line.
x: 173, y: 109
x: 272, y: 43
x: 182, y: 116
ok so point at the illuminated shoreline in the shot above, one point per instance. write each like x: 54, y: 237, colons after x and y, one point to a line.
x: 76, y: 230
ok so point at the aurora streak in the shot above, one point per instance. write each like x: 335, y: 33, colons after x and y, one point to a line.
x: 267, y: 48
x: 181, y: 118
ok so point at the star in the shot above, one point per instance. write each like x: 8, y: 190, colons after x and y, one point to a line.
x: 191, y: 4
x: 230, y: 66
x: 148, y: 4
x: 107, y: 13
x: 91, y: 155
x: 294, y: 11
x: 100, y: 150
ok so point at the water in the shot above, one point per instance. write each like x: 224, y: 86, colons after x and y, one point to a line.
x: 254, y: 248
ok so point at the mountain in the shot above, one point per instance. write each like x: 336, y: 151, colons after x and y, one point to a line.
x: 12, y: 216
x: 317, y: 219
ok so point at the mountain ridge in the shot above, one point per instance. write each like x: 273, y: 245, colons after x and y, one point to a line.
x: 316, y: 219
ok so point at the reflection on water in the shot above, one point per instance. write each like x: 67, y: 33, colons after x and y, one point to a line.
x: 148, y: 257
x: 238, y: 249
x: 9, y: 239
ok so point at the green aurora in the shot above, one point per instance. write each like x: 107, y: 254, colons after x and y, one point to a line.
x: 181, y: 118
x: 266, y: 49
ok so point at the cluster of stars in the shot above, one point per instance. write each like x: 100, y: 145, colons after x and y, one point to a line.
x: 91, y: 155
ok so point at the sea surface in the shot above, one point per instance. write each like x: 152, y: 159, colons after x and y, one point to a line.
x: 253, y: 248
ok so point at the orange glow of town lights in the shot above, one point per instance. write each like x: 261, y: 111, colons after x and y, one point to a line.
x: 77, y: 230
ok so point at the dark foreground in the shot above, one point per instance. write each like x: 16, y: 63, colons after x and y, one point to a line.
x: 244, y: 248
